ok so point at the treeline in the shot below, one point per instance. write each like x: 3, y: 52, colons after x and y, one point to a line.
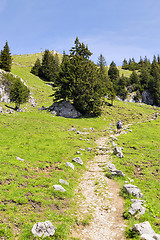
x: 84, y: 83
x: 145, y: 77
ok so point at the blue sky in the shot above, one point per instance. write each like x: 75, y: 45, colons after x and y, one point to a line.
x: 114, y: 28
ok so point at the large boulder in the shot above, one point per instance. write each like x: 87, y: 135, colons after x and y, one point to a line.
x: 133, y: 190
x: 64, y: 109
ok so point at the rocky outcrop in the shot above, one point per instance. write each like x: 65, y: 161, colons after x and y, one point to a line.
x: 146, y: 98
x: 64, y: 109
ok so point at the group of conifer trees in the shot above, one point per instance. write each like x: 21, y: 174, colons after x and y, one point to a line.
x: 145, y: 77
x: 84, y: 83
x: 77, y: 78
x: 18, y: 92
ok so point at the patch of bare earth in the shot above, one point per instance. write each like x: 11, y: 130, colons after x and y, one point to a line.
x: 99, y: 196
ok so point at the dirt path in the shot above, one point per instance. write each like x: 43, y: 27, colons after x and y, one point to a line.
x: 99, y: 196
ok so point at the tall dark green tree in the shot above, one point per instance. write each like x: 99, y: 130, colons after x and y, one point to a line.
x: 49, y: 67
x: 5, y: 58
x: 36, y: 68
x: 121, y: 89
x: 79, y: 81
x: 113, y: 74
x: 106, y: 83
x: 154, y: 83
x: 101, y: 63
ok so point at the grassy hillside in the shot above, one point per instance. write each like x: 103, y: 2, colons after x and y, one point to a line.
x: 45, y: 143
x: 141, y: 163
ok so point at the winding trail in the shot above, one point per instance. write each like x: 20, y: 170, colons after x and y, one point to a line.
x: 99, y: 196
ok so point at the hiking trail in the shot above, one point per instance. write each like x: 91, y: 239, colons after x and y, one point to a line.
x: 99, y: 196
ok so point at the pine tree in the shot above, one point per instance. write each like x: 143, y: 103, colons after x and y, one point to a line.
x: 5, y: 58
x: 113, y: 74
x: 125, y: 64
x: 78, y: 80
x: 48, y: 70
x: 36, y: 68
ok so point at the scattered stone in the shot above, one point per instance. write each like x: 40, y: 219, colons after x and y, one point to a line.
x: 89, y: 149
x: 1, y: 110
x: 59, y: 188
x: 137, y: 206
x: 68, y: 164
x: 91, y: 129
x: 73, y: 129
x: 61, y: 181
x: 144, y: 229
x: 84, y: 133
x: 103, y: 148
x: 78, y: 160
x: 113, y: 138
x: 118, y: 151
x: 82, y: 149
x: 20, y: 159
x: 114, y: 144
x: 114, y: 171
x: 78, y: 152
x: 133, y: 190
x: 45, y: 229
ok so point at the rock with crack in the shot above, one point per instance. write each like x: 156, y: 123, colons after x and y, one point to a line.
x: 78, y: 160
x: 145, y: 231
x: 43, y: 229
x: 59, y: 188
x: 136, y: 206
x: 133, y: 190
x: 114, y: 171
x: 118, y: 151
x: 68, y: 164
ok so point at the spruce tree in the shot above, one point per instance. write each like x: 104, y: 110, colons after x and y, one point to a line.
x: 113, y: 74
x: 48, y: 69
x: 79, y: 81
x: 5, y: 58
x: 36, y: 68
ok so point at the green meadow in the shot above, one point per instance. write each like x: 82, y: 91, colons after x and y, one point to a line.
x: 141, y: 163
x: 44, y: 143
